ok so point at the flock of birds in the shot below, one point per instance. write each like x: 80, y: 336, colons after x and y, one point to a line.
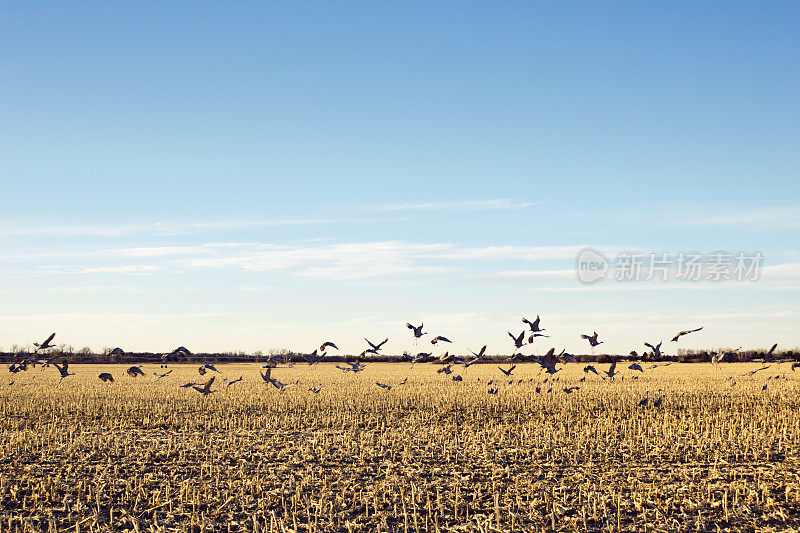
x: 548, y: 362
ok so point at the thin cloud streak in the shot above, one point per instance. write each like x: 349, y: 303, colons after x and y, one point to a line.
x: 465, y: 205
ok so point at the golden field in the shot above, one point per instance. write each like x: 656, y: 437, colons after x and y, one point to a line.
x: 142, y: 454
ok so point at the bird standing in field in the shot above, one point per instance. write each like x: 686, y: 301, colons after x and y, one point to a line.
x: 105, y: 376
x: 685, y: 332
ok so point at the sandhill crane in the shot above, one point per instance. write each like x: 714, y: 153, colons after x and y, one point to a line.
x: 685, y: 332
x: 282, y: 386
x: 658, y: 365
x: 416, y: 329
x: 534, y: 335
x: 795, y: 366
x: 446, y: 358
x: 211, y: 367
x: 202, y: 371
x: 187, y: 385
x: 457, y: 378
x: 493, y: 390
x: 63, y: 370
x: 571, y: 389
x: 181, y: 350
x: 440, y: 338
x: 159, y: 376
x: 643, y: 401
x: 533, y: 325
x: 718, y: 357
x: 383, y: 385
x: 352, y: 367
x: 656, y: 349
x: 105, y: 376
x: 135, y: 371
x: 611, y: 371
x: 635, y: 366
x: 592, y: 339
x: 266, y: 376
x: 566, y: 356
x: 445, y: 370
x: 590, y: 368
x: 476, y: 357
x: 519, y: 341
x: 657, y: 401
x: 312, y: 358
x: 230, y: 382
x: 509, y: 371
x: 315, y: 390
x: 771, y: 350
x: 205, y: 390
x: 117, y: 351
x: 752, y: 372
x: 327, y: 344
x: 765, y: 386
x: 46, y: 344
x: 550, y: 367
x: 375, y: 348
x: 480, y: 353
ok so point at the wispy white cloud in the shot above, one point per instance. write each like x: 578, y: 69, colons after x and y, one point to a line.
x: 778, y: 218
x: 466, y: 205
x: 16, y: 228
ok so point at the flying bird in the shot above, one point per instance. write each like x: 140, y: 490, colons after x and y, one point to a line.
x: 46, y: 344
x: 63, y: 370
x: 592, y: 339
x: 159, y: 376
x: 327, y: 344
x: 374, y: 348
x: 519, y: 341
x: 416, y: 329
x: 135, y: 371
x: 685, y: 332
x: 205, y: 390
x: 590, y: 368
x: 611, y: 371
x: 440, y: 338
x: 656, y: 349
x: 533, y: 325
x: 635, y: 366
x: 315, y: 390
x: 509, y: 371
x: 445, y: 370
x: 230, y: 382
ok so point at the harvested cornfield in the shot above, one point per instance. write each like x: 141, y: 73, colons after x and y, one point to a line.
x: 674, y: 448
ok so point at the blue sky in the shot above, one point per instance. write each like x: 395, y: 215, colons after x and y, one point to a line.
x: 259, y: 176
